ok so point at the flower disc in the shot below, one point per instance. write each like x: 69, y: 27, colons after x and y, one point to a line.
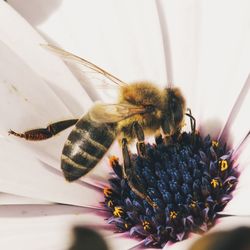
x: 190, y: 179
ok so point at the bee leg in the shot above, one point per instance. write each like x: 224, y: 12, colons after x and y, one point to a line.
x: 45, y: 133
x: 166, y: 135
x: 126, y: 158
x: 158, y: 138
x: 129, y: 174
x: 192, y: 120
x: 140, y: 144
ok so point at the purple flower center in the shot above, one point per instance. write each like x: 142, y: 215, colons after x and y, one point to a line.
x: 190, y: 179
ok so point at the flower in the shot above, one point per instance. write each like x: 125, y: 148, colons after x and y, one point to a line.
x: 189, y: 180
x: 209, y: 65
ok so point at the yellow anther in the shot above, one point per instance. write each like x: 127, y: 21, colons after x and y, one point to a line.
x: 110, y: 203
x: 223, y: 165
x: 193, y: 204
x: 107, y: 191
x: 215, y: 144
x: 173, y: 215
x: 215, y: 183
x: 146, y: 225
x: 126, y: 225
x: 118, y: 212
x: 113, y: 160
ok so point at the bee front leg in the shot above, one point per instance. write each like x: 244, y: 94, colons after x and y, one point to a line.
x: 166, y: 130
x: 140, y: 144
x: 158, y: 138
x: 45, y: 133
x: 131, y: 177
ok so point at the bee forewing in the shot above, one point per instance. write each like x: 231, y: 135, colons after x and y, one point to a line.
x: 67, y: 56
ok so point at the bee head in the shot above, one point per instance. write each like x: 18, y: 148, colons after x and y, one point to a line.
x: 173, y: 111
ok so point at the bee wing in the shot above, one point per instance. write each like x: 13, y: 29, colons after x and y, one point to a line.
x: 112, y: 113
x: 67, y: 56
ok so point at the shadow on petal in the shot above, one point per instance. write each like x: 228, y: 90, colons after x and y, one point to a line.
x: 37, y: 10
x: 38, y: 210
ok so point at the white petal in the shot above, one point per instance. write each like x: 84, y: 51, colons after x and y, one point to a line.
x: 27, y: 102
x: 106, y: 36
x: 239, y: 125
x: 228, y: 223
x: 10, y: 199
x: 182, y: 34
x: 25, y: 42
x: 36, y: 11
x: 51, y: 225
x: 122, y: 241
x: 44, y: 226
x: 26, y: 176
x: 224, y: 59
x: 239, y: 205
x: 182, y: 245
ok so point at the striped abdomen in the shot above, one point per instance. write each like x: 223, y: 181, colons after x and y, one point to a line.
x: 86, y: 145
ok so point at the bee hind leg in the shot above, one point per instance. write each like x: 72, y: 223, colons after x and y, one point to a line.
x: 45, y: 133
x: 129, y: 174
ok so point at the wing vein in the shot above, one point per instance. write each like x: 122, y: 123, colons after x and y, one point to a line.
x: 69, y: 56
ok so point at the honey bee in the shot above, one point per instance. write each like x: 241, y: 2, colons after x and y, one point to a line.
x: 141, y: 107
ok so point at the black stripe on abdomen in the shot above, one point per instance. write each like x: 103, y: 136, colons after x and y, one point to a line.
x: 86, y: 145
x: 99, y: 132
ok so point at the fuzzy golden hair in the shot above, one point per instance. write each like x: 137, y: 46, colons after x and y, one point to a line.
x: 147, y: 94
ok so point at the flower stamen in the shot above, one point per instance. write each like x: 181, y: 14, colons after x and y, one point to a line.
x: 173, y: 215
x: 110, y: 203
x: 215, y: 183
x: 107, y: 191
x: 118, y: 212
x: 215, y: 144
x: 223, y: 164
x: 146, y: 225
x: 193, y: 204
x: 113, y: 160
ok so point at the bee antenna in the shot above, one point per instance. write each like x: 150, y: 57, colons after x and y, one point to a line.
x: 192, y: 120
